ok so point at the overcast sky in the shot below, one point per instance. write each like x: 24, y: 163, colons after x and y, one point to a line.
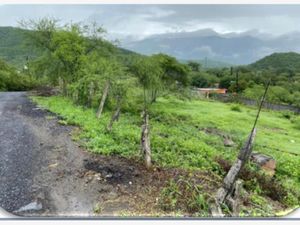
x: 139, y: 21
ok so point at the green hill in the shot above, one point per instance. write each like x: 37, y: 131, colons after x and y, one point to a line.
x: 279, y: 61
x: 15, y: 50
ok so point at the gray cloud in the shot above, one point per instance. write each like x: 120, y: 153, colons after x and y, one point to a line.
x: 139, y: 21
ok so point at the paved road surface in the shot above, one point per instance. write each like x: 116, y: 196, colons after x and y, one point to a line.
x: 19, y: 153
x: 39, y: 163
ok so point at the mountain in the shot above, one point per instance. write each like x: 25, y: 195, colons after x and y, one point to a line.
x: 279, y: 61
x: 205, y: 46
x: 234, y: 48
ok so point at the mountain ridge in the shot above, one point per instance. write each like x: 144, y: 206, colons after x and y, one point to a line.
x: 235, y: 48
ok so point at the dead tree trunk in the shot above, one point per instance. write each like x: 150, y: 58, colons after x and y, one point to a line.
x: 145, y: 140
x: 103, y: 99
x: 115, y: 116
x: 227, y: 191
x: 232, y: 175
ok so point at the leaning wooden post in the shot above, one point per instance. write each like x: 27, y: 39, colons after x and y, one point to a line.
x: 103, y: 99
x: 232, y: 175
x: 145, y: 140
x: 115, y: 115
x: 229, y: 181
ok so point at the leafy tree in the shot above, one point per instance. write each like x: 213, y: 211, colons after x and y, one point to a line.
x: 108, y: 71
x: 173, y: 74
x: 226, y: 82
x: 203, y: 79
x: 278, y: 94
x: 296, y: 98
x: 149, y: 74
x: 119, y: 92
x: 254, y: 93
x: 68, y: 51
x: 66, y: 47
x: 194, y: 66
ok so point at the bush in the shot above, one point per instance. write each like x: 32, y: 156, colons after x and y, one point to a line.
x: 290, y: 200
x: 296, y: 123
x: 287, y: 115
x: 12, y: 80
x: 236, y: 108
x: 257, y: 182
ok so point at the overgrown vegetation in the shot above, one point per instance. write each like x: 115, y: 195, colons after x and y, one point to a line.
x: 141, y: 107
x: 13, y: 80
x: 185, y: 195
x: 249, y: 81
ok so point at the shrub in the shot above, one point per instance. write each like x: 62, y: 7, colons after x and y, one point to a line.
x: 296, y: 123
x: 236, y: 108
x: 257, y: 182
x: 184, y: 195
x: 287, y: 115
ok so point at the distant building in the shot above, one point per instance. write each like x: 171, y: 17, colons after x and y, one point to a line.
x: 208, y: 91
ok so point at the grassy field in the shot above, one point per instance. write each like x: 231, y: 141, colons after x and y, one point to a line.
x: 190, y: 134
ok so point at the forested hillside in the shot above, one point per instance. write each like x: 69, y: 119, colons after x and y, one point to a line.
x: 16, y: 49
x: 289, y: 61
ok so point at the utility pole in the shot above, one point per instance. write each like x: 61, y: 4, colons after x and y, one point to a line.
x: 237, y: 80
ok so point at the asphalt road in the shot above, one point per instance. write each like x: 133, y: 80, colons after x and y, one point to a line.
x: 19, y: 153
x: 40, y: 165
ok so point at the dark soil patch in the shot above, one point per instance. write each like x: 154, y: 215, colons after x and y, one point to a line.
x: 114, y: 174
x: 120, y: 170
x: 45, y: 91
x: 139, y: 188
x: 30, y: 109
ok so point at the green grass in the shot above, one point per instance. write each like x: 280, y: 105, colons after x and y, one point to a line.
x: 177, y: 136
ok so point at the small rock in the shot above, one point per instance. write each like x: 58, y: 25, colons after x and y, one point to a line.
x: 228, y: 142
x: 33, y: 206
x: 112, y: 195
x: 130, y: 183
x: 88, y: 180
x: 109, y: 175
x: 53, y: 165
x: 267, y: 163
x: 98, y: 176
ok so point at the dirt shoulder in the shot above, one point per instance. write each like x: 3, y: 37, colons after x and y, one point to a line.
x: 61, y: 179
